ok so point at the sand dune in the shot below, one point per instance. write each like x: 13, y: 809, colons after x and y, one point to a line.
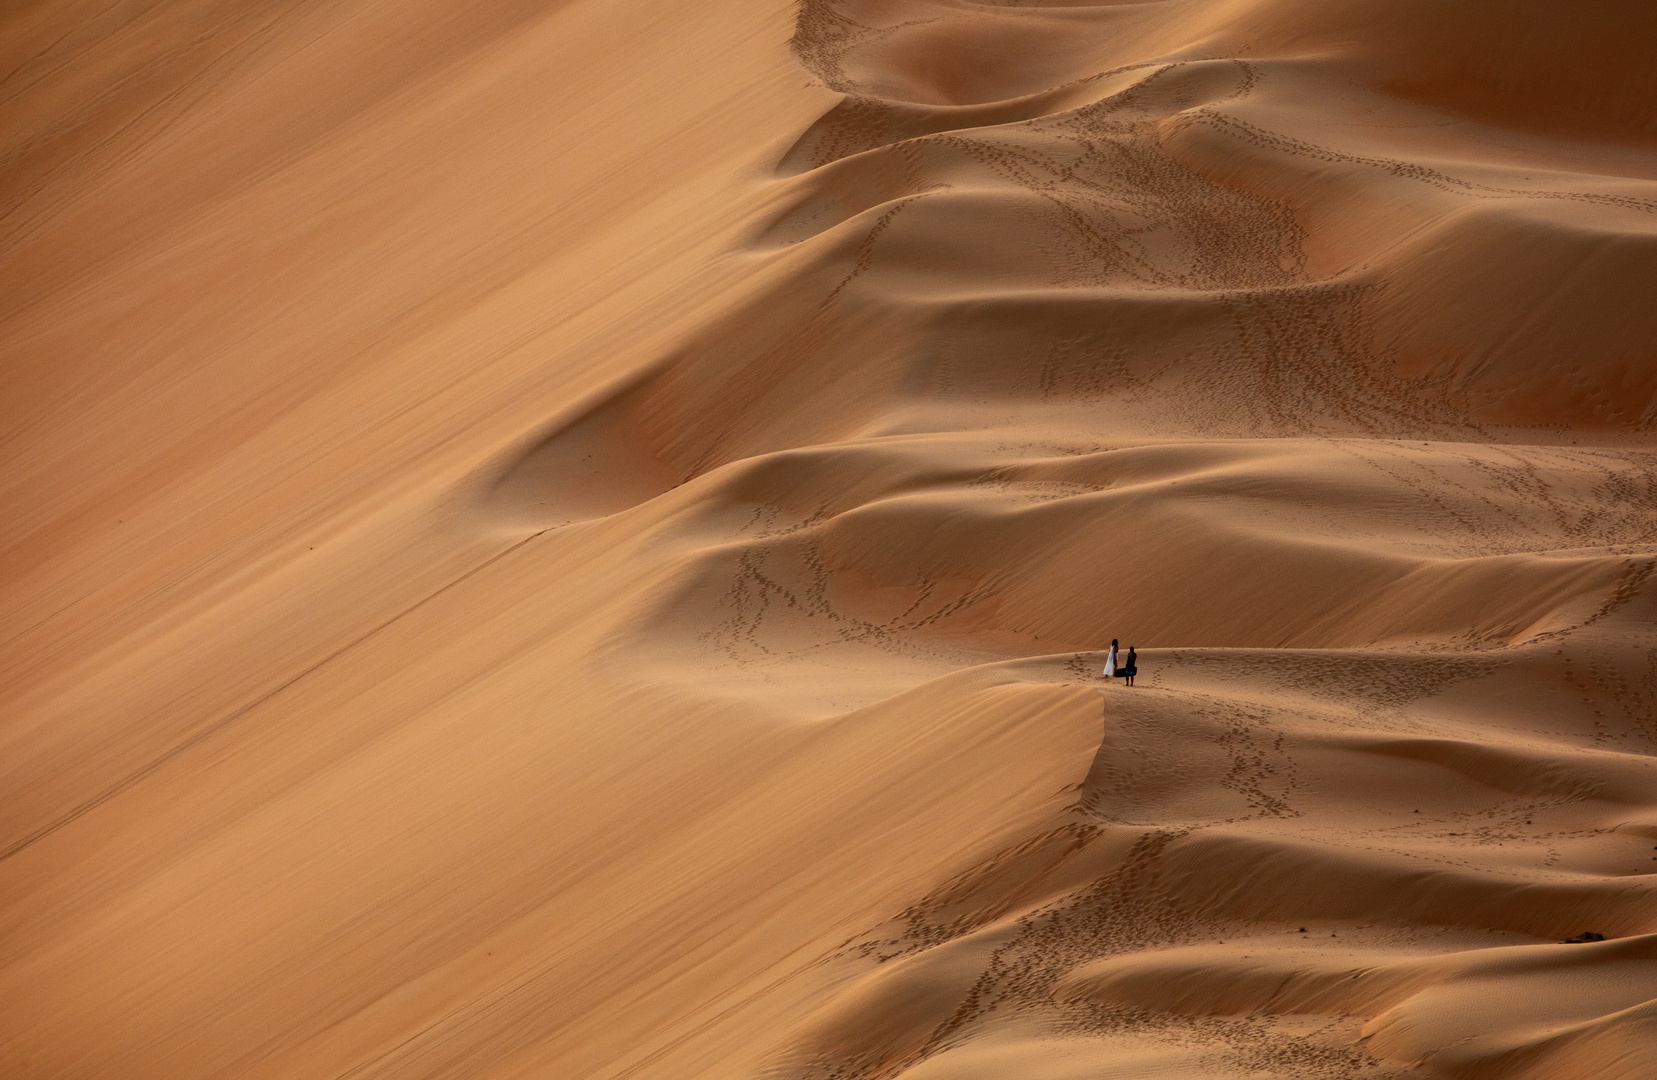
x: 579, y: 540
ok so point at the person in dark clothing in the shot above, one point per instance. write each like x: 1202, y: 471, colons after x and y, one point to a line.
x: 1131, y: 668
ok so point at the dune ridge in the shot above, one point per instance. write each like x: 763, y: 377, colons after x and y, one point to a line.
x: 579, y: 540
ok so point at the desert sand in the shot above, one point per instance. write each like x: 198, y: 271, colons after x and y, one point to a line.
x: 578, y: 540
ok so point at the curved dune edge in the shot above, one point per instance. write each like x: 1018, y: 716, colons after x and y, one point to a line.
x: 580, y: 540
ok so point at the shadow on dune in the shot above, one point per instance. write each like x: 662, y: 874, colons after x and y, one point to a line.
x: 1333, y: 284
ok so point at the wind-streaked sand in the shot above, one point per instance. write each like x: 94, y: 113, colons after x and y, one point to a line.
x: 578, y: 540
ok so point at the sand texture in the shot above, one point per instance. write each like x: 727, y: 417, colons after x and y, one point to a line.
x: 575, y: 539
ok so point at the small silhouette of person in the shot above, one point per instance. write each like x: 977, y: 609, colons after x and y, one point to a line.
x: 1110, y: 661
x: 1131, y: 668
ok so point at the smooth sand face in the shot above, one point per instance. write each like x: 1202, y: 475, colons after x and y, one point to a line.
x: 578, y: 540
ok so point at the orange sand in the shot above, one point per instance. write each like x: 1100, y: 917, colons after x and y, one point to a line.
x: 577, y: 540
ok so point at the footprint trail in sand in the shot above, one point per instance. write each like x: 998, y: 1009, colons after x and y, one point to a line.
x: 676, y: 652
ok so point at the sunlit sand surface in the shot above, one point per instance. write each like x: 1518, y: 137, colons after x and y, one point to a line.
x: 579, y: 540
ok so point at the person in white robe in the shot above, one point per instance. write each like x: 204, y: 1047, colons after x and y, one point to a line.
x: 1110, y: 661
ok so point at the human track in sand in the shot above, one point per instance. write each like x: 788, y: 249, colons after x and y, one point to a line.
x: 569, y: 540
x: 1228, y: 855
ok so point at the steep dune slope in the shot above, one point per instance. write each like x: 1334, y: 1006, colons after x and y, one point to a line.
x: 579, y: 539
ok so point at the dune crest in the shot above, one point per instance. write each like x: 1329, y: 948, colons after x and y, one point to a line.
x: 580, y: 540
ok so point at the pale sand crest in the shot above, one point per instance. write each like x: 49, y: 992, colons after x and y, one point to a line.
x: 577, y: 540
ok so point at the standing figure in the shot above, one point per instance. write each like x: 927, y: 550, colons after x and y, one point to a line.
x: 1110, y: 661
x: 1131, y: 668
